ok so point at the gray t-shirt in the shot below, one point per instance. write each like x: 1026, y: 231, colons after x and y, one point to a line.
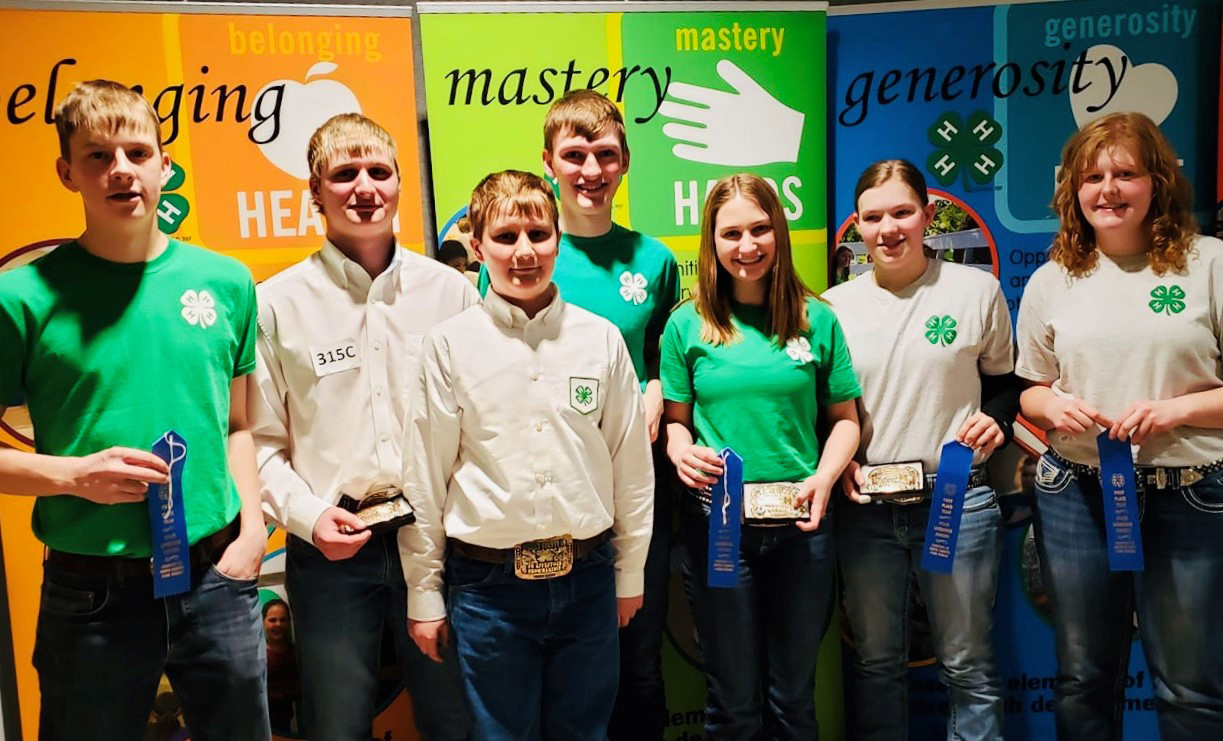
x: 918, y: 352
x: 1122, y: 334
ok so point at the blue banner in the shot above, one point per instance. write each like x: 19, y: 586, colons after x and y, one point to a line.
x: 1120, y: 493
x: 168, y: 521
x: 946, y: 507
x: 725, y: 515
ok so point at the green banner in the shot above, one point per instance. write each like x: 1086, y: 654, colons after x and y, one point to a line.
x: 703, y: 93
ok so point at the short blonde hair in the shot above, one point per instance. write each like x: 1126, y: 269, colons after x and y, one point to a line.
x: 103, y: 106
x: 511, y: 192
x: 347, y: 135
x: 1170, y: 226
x: 588, y: 113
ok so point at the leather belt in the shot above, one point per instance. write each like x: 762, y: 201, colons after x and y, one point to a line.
x: 201, y: 553
x: 581, y: 549
x: 976, y: 477
x: 1151, y: 477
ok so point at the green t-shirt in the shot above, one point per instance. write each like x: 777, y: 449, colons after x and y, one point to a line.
x: 627, y: 278
x: 109, y: 354
x: 759, y: 398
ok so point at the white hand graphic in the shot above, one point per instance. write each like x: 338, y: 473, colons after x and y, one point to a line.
x: 744, y: 128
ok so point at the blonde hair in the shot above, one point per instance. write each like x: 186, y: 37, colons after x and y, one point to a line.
x: 787, y: 294
x: 346, y: 135
x: 511, y: 192
x: 103, y: 106
x: 588, y: 113
x: 1170, y: 226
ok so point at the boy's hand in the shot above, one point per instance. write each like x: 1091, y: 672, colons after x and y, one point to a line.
x: 339, y: 534
x: 627, y: 607
x: 430, y: 636
x: 698, y: 466
x: 243, y: 557
x: 116, y: 475
x: 653, y: 408
x: 851, y: 479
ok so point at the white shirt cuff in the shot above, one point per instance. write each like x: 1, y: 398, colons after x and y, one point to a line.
x: 304, y: 511
x: 426, y: 605
x: 630, y: 584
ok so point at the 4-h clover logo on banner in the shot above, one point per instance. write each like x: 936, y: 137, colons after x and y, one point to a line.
x: 940, y: 330
x: 1167, y: 300
x: 172, y: 208
x: 964, y: 149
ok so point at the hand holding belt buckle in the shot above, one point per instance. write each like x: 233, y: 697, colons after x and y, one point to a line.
x: 382, y: 509
x: 774, y: 501
x: 902, y: 483
x: 544, y: 559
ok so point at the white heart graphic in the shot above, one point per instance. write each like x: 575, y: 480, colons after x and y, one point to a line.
x: 1146, y: 88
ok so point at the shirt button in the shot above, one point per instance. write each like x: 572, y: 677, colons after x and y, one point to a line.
x: 534, y: 376
x: 378, y: 393
x: 384, y: 437
x: 541, y: 477
x: 539, y: 426
x: 377, y: 346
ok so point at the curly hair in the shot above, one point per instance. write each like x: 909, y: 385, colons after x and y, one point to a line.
x: 1170, y: 226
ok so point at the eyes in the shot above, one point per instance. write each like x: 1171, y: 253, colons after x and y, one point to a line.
x: 735, y: 233
x: 901, y: 212
x: 1097, y: 176
x: 603, y: 154
x: 510, y: 236
x: 348, y: 174
x: 134, y: 154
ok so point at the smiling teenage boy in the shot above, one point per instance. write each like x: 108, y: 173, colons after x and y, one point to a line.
x: 340, y: 335
x: 633, y: 281
x: 529, y: 469
x: 122, y: 341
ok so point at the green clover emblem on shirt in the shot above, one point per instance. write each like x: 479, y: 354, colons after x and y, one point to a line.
x: 172, y: 208
x: 940, y: 330
x: 584, y: 394
x: 1167, y: 300
x: 964, y: 149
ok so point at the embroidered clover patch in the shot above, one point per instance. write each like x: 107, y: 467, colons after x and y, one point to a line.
x: 584, y: 394
x: 799, y: 350
x: 199, y: 308
x: 632, y: 287
x: 1167, y: 299
x: 941, y: 330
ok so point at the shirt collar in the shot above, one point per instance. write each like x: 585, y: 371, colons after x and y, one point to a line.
x: 350, y: 276
x: 508, y: 315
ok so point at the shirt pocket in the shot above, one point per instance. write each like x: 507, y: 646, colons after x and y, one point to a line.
x: 581, y: 393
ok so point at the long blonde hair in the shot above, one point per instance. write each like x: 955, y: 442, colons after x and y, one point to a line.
x: 1170, y: 226
x: 786, y: 302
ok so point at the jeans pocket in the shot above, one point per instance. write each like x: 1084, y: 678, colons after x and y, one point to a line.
x: 234, y: 581
x: 67, y: 601
x: 1051, y: 477
x: 979, y: 500
x: 462, y: 572
x: 1207, y: 494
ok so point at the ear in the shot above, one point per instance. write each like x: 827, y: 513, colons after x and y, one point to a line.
x: 64, y: 171
x: 928, y: 212
x: 624, y: 164
x: 167, y: 169
x: 857, y: 220
x: 475, y: 248
x: 547, y: 156
x: 314, y: 191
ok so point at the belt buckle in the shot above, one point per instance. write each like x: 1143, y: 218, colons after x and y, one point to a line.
x: 544, y: 559
x: 1190, y: 476
x: 773, y: 501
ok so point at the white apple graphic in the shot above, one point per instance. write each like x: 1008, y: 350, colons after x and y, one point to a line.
x: 303, y: 108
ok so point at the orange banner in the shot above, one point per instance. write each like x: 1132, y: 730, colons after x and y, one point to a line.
x: 239, y: 96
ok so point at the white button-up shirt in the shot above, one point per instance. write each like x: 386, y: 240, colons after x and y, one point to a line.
x: 337, y: 352
x: 522, y: 429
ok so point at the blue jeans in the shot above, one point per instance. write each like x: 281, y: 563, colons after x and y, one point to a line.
x: 103, y: 642
x: 339, y: 609
x: 879, y: 548
x: 1179, y: 599
x: 539, y: 658
x: 761, y: 639
x: 640, y: 712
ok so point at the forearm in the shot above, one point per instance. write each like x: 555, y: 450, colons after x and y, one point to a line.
x: 679, y: 439
x: 839, y: 449
x: 1034, y: 403
x: 241, y: 456
x: 34, y: 474
x: 1201, y: 409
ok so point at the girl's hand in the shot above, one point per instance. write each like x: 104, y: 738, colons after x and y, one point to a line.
x: 1145, y: 419
x: 698, y: 466
x: 1073, y: 416
x: 851, y: 479
x: 818, y: 492
x: 981, y: 433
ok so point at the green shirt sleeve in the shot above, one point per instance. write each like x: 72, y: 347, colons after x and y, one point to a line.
x: 245, y: 326
x: 835, y: 378
x: 673, y: 366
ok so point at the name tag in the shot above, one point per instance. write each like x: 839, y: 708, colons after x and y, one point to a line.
x: 333, y: 357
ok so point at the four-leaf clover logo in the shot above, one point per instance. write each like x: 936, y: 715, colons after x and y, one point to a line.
x: 799, y: 349
x: 584, y: 395
x: 940, y: 330
x: 632, y: 287
x: 964, y: 149
x: 1167, y: 299
x: 172, y: 208
x: 199, y: 308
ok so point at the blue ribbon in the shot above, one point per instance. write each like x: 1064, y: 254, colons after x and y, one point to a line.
x: 946, y: 507
x: 1121, y: 523
x: 725, y: 514
x: 168, y: 521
